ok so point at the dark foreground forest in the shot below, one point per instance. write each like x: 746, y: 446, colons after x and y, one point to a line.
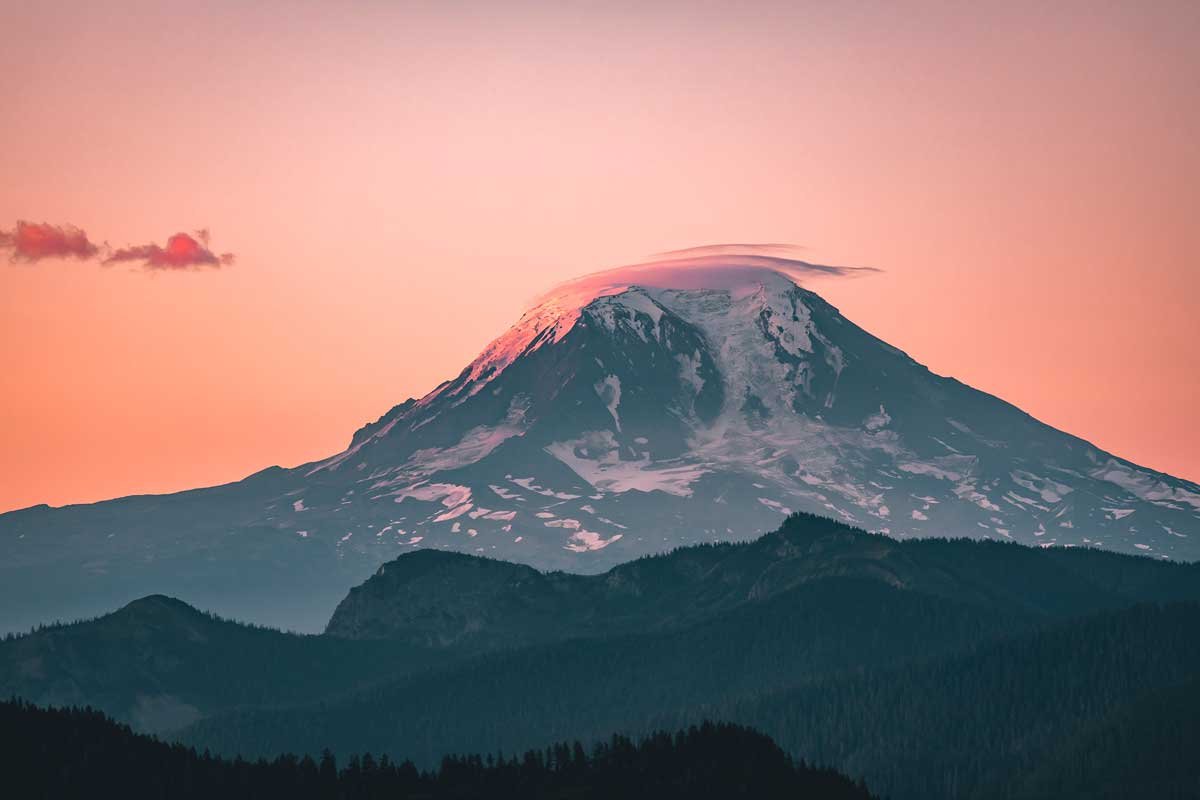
x: 69, y: 753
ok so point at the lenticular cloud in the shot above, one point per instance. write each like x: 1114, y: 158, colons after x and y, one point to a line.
x: 721, y: 266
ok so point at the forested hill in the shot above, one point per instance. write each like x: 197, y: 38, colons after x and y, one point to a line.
x: 438, y: 599
x: 970, y: 724
x: 1107, y: 706
x: 59, y: 754
x: 159, y: 664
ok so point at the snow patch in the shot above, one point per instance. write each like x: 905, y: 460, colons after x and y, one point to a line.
x: 877, y: 421
x: 451, y: 494
x: 457, y: 511
x: 689, y: 374
x: 1145, y: 486
x: 505, y: 494
x: 776, y: 505
x: 1051, y: 491
x: 932, y: 470
x: 582, y: 541
x: 609, y: 392
x: 531, y: 485
x: 595, y: 458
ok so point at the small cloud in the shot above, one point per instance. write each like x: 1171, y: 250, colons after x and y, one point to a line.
x: 182, y: 251
x: 33, y: 241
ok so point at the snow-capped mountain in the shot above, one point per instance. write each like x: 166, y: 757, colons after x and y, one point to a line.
x: 626, y: 413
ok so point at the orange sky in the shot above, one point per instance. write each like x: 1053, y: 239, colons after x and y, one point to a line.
x: 397, y: 180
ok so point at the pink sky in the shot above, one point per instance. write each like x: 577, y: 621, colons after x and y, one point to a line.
x: 398, y: 180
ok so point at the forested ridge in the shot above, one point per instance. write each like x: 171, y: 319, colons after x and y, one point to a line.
x: 159, y: 664
x: 976, y: 725
x: 585, y: 688
x: 966, y: 725
x: 58, y: 754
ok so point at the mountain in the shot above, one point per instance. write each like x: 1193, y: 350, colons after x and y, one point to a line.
x: 626, y: 413
x: 70, y: 753
x: 159, y: 664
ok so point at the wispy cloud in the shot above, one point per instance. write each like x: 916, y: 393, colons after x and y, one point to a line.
x: 720, y: 267
x: 778, y: 256
x: 34, y: 241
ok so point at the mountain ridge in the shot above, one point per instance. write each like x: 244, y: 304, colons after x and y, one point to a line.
x: 485, y: 597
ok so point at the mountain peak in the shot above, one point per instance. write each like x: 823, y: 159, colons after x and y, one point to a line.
x: 154, y: 603
x: 638, y: 287
x: 159, y: 609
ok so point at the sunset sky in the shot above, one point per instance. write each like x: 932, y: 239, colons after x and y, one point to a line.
x: 369, y: 192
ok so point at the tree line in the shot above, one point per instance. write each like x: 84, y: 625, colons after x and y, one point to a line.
x: 73, y: 752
